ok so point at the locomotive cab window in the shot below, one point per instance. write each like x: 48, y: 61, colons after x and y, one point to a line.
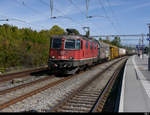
x: 91, y: 45
x: 78, y: 44
x: 72, y: 44
x: 69, y: 44
x: 56, y: 43
x: 86, y: 44
x: 95, y: 45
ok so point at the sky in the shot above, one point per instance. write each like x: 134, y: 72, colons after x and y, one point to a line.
x: 109, y: 16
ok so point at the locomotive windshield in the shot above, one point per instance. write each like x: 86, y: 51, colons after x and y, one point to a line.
x: 72, y: 44
x: 56, y: 43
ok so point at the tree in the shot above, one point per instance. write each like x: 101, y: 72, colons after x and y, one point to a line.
x: 56, y: 30
x: 100, y: 39
x: 146, y: 49
x: 116, y: 41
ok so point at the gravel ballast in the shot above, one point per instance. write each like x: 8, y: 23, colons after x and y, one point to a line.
x: 50, y: 97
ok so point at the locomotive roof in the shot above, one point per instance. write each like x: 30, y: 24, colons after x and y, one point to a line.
x: 83, y: 37
x: 74, y: 37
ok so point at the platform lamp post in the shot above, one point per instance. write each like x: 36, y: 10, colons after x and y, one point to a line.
x: 149, y: 48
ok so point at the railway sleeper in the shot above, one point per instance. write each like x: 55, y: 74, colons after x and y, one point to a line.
x: 76, y: 108
x: 86, y: 95
x: 78, y: 105
x: 89, y: 96
x: 85, y: 99
x: 71, y: 110
x: 99, y: 109
x: 81, y: 102
x: 91, y: 92
x: 94, y: 95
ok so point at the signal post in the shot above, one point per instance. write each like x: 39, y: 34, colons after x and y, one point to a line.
x: 149, y: 48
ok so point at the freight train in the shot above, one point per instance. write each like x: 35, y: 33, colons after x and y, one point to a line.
x: 70, y: 53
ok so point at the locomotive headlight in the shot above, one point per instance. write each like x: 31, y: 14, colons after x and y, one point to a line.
x: 53, y: 57
x: 71, y: 57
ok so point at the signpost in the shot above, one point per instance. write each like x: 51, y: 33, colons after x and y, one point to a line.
x: 148, y: 39
x: 139, y: 46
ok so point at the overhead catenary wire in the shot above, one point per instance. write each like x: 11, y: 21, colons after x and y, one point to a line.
x: 27, y: 6
x: 108, y: 18
x: 63, y: 14
x: 43, y: 2
x: 32, y: 9
x: 3, y: 19
x: 46, y: 4
x: 52, y: 11
x: 76, y: 6
x: 113, y: 13
x: 19, y: 20
x: 8, y: 19
x: 87, y: 7
x: 92, y: 16
x: 52, y: 8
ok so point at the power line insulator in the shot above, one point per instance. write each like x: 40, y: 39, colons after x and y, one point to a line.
x: 51, y: 7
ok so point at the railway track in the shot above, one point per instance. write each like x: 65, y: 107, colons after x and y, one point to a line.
x: 88, y: 98
x: 25, y: 85
x: 98, y: 106
x: 21, y: 96
x: 11, y: 99
x: 4, y: 103
x: 11, y: 76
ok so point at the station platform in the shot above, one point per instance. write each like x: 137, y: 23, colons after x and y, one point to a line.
x: 135, y: 90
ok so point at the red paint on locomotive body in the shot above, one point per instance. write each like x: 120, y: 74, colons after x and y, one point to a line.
x: 80, y: 53
x: 72, y: 51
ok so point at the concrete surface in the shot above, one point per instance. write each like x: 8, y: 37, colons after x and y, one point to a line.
x: 135, y: 92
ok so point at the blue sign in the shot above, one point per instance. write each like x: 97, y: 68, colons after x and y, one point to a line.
x: 140, y: 46
x: 148, y: 39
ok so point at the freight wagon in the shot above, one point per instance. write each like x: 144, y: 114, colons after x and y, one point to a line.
x: 122, y: 52
x: 114, y: 52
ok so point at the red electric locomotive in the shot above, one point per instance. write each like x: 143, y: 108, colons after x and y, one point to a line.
x: 69, y: 53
